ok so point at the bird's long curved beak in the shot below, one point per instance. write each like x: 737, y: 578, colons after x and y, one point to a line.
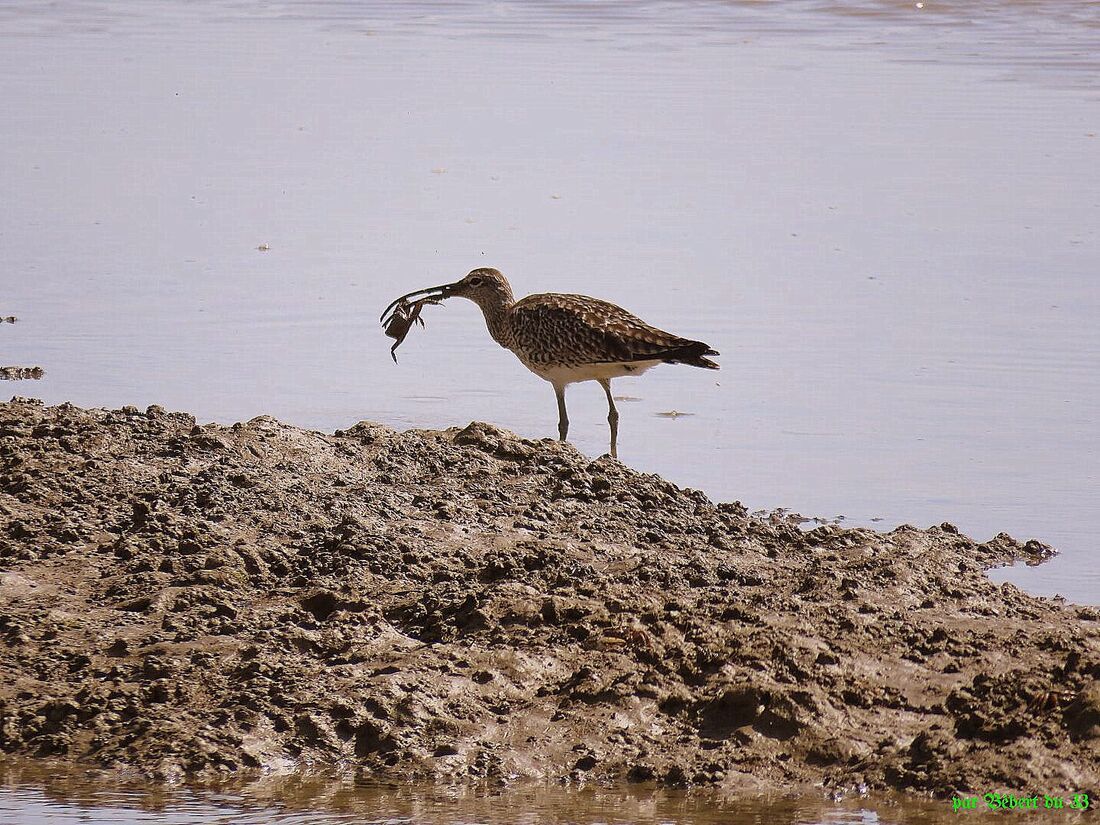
x: 431, y: 293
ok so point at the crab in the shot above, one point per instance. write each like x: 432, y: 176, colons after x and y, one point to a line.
x: 399, y: 318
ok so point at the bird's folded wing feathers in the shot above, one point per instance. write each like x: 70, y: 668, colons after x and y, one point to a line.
x: 562, y: 328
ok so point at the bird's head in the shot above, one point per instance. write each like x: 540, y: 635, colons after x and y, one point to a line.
x: 484, y: 286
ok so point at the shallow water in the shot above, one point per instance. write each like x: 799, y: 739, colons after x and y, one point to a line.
x: 34, y: 794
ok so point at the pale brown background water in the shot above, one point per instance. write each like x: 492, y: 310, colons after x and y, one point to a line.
x: 884, y: 216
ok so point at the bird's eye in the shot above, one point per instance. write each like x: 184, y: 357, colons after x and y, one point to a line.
x: 475, y: 281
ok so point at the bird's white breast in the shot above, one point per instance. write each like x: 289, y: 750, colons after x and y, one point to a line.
x: 559, y: 375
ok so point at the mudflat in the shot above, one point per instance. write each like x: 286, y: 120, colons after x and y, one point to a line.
x: 183, y: 600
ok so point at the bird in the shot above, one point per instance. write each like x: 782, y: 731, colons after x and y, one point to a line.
x: 564, y: 338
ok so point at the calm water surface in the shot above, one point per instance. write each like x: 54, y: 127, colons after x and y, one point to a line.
x: 885, y: 217
x: 36, y: 794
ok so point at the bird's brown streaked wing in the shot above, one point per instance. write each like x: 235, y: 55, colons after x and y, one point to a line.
x: 578, y: 329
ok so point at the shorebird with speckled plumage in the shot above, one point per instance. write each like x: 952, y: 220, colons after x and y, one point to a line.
x: 562, y: 338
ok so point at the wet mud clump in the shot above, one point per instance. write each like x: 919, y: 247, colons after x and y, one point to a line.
x: 187, y: 600
x: 21, y: 373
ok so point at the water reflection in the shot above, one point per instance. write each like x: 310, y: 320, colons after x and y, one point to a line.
x: 37, y: 794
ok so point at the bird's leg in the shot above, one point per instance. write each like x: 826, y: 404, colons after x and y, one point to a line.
x: 563, y: 417
x: 612, y: 416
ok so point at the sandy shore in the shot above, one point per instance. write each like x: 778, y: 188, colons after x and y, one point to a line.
x: 183, y: 601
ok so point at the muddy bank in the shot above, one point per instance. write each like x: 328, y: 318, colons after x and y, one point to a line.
x: 186, y: 600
